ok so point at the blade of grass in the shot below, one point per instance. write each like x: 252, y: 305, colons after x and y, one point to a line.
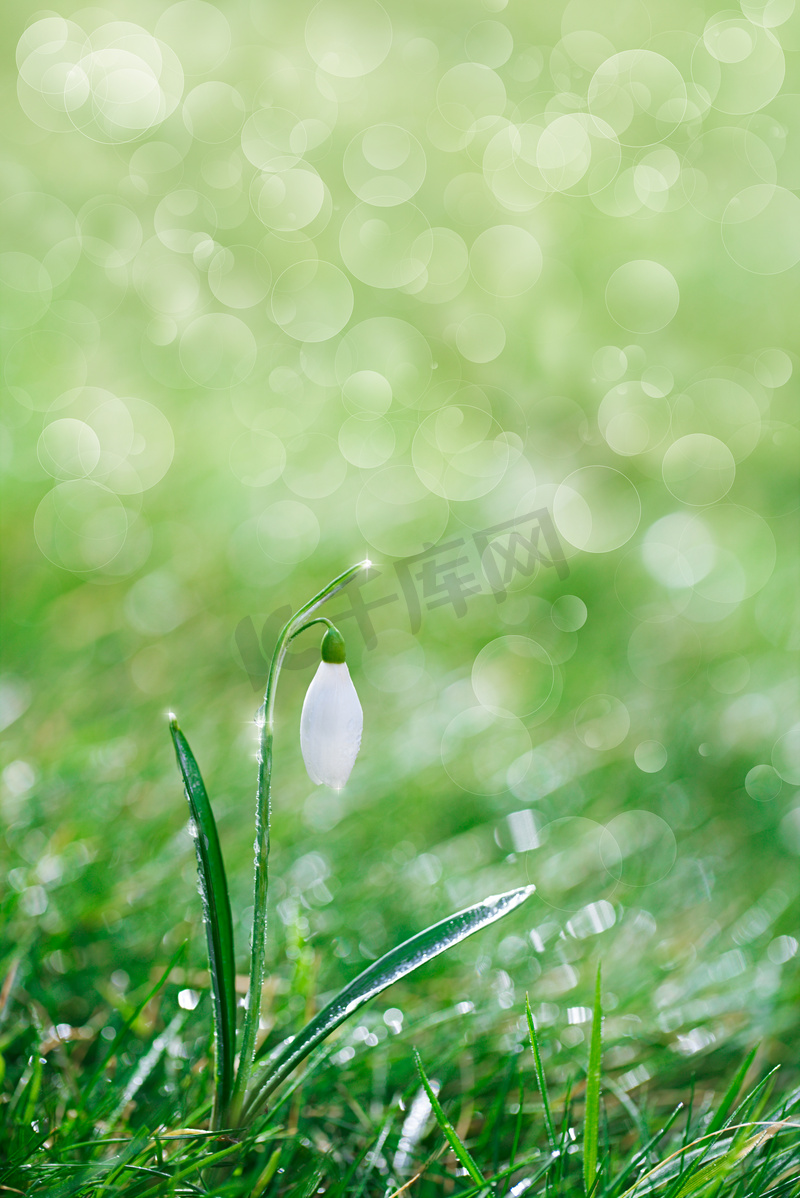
x: 752, y: 1106
x: 758, y: 1184
x: 540, y: 1077
x: 25, y: 1106
x: 368, y: 1156
x: 495, y: 1123
x: 685, y: 1168
x: 640, y: 1157
x: 88, y: 1087
x: 561, y: 1155
x: 687, y: 1131
x: 312, y: 1066
x: 636, y: 1116
x: 217, y: 919
x: 725, y: 1107
x: 517, y: 1133
x: 505, y: 1174
x: 373, y: 1156
x: 719, y: 1169
x: 196, y: 1166
x: 591, y: 1121
x: 450, y: 1133
x: 266, y: 1175
x: 146, y: 1066
x: 755, y: 1103
x: 382, y: 973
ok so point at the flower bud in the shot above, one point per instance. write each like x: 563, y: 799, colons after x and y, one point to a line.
x: 332, y: 719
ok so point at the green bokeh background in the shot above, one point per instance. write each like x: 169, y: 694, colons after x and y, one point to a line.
x: 286, y: 286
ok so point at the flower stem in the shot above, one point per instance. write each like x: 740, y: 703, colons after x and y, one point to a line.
x: 317, y: 620
x: 296, y: 624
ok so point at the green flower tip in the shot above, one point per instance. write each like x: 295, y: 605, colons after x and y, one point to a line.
x: 333, y: 647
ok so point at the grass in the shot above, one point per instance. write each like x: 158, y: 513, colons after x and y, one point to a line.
x: 371, y: 1119
x: 454, y: 1081
x: 505, y: 1069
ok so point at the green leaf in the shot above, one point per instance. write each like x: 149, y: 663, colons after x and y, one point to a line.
x: 540, y: 1077
x: 370, y: 1157
x: 450, y: 1133
x: 145, y: 1066
x: 641, y: 1157
x: 591, y: 1122
x: 266, y: 1175
x: 216, y: 916
x: 724, y: 1108
x: 88, y: 1086
x: 24, y: 1106
x: 382, y: 973
x: 721, y: 1152
x: 719, y: 1169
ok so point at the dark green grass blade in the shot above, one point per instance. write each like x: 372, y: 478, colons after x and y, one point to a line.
x: 216, y: 916
x: 540, y: 1077
x: 640, y: 1157
x: 494, y: 1123
x: 755, y: 1103
x: 517, y: 1134
x: 591, y: 1122
x: 145, y: 1066
x: 88, y: 1087
x: 25, y: 1106
x: 368, y: 1158
x: 561, y: 1156
x: 505, y: 1175
x: 718, y: 1170
x: 382, y: 973
x: 726, y: 1106
x: 266, y: 1175
x: 449, y: 1132
x: 709, y: 1161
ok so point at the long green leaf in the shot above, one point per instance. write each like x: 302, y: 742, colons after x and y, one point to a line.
x: 382, y: 973
x: 591, y: 1119
x: 266, y: 1175
x: 725, y: 1107
x: 146, y: 1066
x: 216, y: 916
x: 721, y: 1152
x: 89, y: 1084
x: 640, y: 1158
x: 449, y: 1132
x: 24, y: 1107
x: 540, y: 1077
x: 718, y: 1170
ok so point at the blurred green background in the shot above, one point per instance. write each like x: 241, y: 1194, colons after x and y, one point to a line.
x: 289, y: 285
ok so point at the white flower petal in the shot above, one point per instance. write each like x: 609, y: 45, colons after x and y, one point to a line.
x: 330, y: 725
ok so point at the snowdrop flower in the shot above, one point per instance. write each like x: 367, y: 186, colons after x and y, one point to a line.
x: 332, y: 719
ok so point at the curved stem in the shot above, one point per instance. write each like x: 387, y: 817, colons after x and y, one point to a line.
x: 292, y: 628
x: 316, y: 620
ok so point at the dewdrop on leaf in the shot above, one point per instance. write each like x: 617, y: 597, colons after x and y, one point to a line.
x: 332, y: 720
